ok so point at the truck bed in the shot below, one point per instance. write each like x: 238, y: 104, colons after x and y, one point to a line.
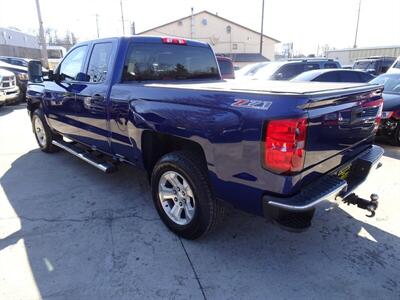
x: 264, y: 87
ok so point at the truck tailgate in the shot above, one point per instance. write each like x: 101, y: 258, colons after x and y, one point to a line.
x: 341, y: 125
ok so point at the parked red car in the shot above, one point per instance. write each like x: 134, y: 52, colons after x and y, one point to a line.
x: 226, y: 67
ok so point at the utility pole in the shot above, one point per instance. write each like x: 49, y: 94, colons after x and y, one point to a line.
x: 262, y: 28
x: 133, y: 29
x: 358, y: 21
x: 191, y: 24
x: 97, y: 25
x: 42, y: 39
x: 122, y: 17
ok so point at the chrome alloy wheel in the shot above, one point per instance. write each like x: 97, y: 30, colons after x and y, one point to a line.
x: 40, y: 132
x: 176, y: 197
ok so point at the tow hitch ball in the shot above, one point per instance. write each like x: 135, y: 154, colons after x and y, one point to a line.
x: 370, y: 205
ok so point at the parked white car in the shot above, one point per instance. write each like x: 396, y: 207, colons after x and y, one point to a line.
x: 9, y: 91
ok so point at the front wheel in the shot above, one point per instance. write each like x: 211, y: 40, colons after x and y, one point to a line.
x: 182, y: 195
x: 42, y: 131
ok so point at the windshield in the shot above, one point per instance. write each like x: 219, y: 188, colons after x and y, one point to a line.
x: 364, y: 64
x: 267, y: 71
x: 250, y: 70
x: 391, y: 83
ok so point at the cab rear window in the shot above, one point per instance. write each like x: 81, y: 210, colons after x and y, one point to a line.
x: 145, y: 61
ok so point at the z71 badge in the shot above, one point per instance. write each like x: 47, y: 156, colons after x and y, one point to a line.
x: 255, y: 104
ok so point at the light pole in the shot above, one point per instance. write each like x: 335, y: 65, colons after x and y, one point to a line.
x: 97, y: 25
x: 358, y: 21
x: 43, y: 48
x: 122, y: 17
x: 262, y: 28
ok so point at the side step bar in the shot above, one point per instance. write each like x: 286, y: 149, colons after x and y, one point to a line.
x: 85, y: 156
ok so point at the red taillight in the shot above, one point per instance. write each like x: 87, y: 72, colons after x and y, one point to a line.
x: 396, y: 115
x: 171, y: 40
x: 284, y: 145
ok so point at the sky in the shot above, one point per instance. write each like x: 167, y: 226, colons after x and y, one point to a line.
x: 306, y: 23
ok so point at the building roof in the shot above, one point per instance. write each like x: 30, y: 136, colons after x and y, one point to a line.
x: 244, y: 57
x: 217, y: 16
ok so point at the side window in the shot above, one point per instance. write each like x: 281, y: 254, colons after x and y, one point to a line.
x: 72, y: 64
x: 328, y: 77
x: 289, y: 71
x: 98, y: 63
x: 311, y: 66
x: 330, y: 65
x: 349, y: 76
x: 365, y: 77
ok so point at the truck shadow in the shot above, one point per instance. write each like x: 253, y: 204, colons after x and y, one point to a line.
x: 7, y: 109
x: 391, y: 150
x: 91, y: 235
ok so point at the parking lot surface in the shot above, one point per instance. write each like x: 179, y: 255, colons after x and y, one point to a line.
x: 69, y: 231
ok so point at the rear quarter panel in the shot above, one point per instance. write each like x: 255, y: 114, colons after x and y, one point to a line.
x: 230, y: 136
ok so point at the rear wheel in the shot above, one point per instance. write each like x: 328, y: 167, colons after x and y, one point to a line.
x: 182, y: 195
x: 42, y: 131
x: 396, y: 136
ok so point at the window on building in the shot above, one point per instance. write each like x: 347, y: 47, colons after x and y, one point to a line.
x: 234, y: 46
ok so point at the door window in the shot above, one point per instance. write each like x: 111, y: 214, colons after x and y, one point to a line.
x: 99, y: 60
x: 72, y: 64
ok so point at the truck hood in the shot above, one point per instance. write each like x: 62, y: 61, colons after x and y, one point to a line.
x: 5, y: 73
x: 262, y: 86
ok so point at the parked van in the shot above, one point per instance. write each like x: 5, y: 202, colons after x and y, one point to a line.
x: 55, y: 54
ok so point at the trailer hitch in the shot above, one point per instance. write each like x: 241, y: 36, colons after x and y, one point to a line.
x: 370, y: 205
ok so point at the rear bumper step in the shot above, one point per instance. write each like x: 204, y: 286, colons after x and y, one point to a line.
x: 85, y: 156
x: 328, y: 187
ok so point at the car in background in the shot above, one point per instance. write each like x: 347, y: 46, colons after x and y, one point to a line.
x: 334, y: 75
x: 55, y: 54
x: 21, y: 74
x: 250, y: 70
x: 390, y: 120
x: 16, y: 61
x: 286, y: 70
x: 226, y: 67
x: 374, y: 65
x: 395, y: 68
x: 9, y: 91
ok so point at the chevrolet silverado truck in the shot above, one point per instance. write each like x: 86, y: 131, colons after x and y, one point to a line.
x: 272, y: 148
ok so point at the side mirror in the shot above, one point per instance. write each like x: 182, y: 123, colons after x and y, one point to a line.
x: 35, y: 74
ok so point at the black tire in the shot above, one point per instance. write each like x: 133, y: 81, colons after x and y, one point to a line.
x: 207, y: 210
x: 396, y: 136
x: 45, y: 146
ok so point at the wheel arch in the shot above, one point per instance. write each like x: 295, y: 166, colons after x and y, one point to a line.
x: 155, y: 145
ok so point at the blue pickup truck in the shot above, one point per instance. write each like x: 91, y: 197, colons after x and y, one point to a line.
x: 274, y: 149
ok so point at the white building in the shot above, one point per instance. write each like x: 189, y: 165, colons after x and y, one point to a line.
x: 348, y: 56
x: 19, y: 44
x: 227, y: 38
